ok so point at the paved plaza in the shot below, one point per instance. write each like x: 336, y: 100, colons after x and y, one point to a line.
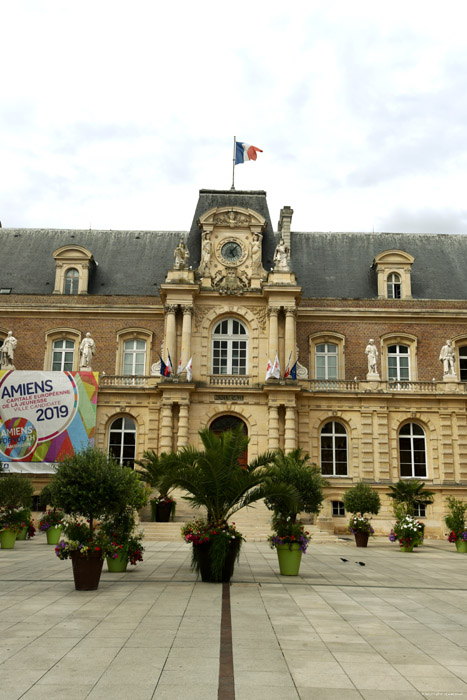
x: 394, y: 629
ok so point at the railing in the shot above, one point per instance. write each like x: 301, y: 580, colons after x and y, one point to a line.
x: 430, y: 387
x: 334, y: 385
x: 123, y: 380
x: 229, y: 380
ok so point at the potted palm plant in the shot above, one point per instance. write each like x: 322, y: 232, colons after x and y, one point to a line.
x: 214, y: 480
x: 16, y: 493
x: 411, y: 493
x: 289, y: 538
x: 90, y: 485
x: 455, y: 521
x: 359, y: 500
x: 154, y: 466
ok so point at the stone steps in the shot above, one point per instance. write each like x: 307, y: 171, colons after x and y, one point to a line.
x: 170, y: 532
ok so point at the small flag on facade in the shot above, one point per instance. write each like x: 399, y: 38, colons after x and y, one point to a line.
x: 189, y: 369
x: 245, y: 152
x: 287, y: 371
x: 164, y: 370
x: 293, y: 372
x: 268, y: 371
x: 169, y: 366
x: 276, y: 370
x: 180, y: 366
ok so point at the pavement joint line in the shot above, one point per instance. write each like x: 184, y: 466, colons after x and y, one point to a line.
x: 226, y: 688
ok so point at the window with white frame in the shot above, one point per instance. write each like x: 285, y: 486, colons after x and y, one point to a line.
x: 398, y: 363
x: 326, y: 361
x: 71, y: 281
x: 230, y: 347
x: 134, y: 357
x: 338, y: 509
x: 463, y: 363
x: 122, y: 441
x: 63, y: 354
x: 394, y: 286
x: 419, y: 510
x: 333, y: 449
x: 412, y: 451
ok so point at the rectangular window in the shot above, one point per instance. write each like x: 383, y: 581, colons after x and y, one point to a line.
x: 338, y: 509
x: 420, y: 510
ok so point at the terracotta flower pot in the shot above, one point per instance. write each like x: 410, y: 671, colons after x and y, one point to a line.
x: 86, y: 570
x: 361, y: 539
x: 290, y: 558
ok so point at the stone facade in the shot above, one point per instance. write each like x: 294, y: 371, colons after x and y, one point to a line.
x: 230, y: 277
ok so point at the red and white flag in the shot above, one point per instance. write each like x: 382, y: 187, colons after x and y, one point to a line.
x: 189, y: 369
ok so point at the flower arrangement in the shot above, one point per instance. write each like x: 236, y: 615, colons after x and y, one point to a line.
x: 455, y: 520
x: 288, y: 531
x: 31, y: 531
x: 81, y: 539
x: 12, y: 519
x: 455, y: 536
x: 120, y: 530
x: 359, y: 523
x: 200, y: 531
x: 162, y: 499
x: 408, y: 531
x: 51, y: 518
x: 223, y: 538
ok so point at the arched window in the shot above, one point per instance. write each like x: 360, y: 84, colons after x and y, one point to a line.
x: 71, y: 281
x: 122, y: 441
x: 63, y: 352
x: 463, y: 363
x: 134, y: 357
x: 333, y: 449
x: 326, y: 355
x: 412, y: 451
x: 230, y: 347
x: 394, y: 286
x: 398, y: 363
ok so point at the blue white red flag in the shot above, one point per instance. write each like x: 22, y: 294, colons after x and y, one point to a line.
x: 287, y: 371
x: 244, y: 152
x: 293, y: 372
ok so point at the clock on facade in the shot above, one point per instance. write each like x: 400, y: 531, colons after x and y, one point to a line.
x: 231, y: 251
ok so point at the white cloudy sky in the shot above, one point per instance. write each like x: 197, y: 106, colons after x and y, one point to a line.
x: 114, y: 114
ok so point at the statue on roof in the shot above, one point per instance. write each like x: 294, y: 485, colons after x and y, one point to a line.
x: 280, y: 257
x: 181, y: 255
x: 206, y: 252
x: 8, y: 351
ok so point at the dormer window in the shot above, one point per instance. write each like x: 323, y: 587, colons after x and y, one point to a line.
x: 72, y: 266
x: 394, y: 286
x: 394, y: 269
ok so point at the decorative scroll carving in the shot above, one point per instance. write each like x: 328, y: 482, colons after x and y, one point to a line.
x: 156, y: 367
x: 231, y: 281
x: 261, y: 315
x: 232, y: 219
x: 200, y: 313
x: 302, y: 372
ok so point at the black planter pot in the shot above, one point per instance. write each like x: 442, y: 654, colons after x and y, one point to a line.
x: 203, y: 562
x: 361, y: 539
x: 86, y: 570
x: 163, y: 511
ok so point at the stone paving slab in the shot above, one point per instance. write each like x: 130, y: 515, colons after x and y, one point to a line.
x: 393, y: 629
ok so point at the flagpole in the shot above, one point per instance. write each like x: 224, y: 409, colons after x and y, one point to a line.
x: 233, y: 164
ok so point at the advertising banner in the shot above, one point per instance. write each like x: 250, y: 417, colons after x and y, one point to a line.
x: 45, y: 416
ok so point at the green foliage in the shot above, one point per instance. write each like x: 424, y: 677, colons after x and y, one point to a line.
x: 214, y: 479
x: 93, y: 485
x: 295, y: 470
x: 154, y: 470
x: 361, y: 499
x: 16, y: 491
x: 455, y: 520
x: 412, y: 492
x: 45, y: 498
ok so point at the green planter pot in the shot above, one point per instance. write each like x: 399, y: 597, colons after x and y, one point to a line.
x: 289, y: 559
x: 7, y: 539
x: 461, y: 546
x: 23, y: 534
x: 118, y: 564
x: 407, y: 549
x: 53, y: 534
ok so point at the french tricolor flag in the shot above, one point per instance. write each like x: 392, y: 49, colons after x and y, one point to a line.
x: 244, y: 152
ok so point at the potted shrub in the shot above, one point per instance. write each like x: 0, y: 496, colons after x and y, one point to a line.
x: 289, y: 538
x: 154, y: 468
x: 406, y: 530
x: 410, y: 493
x: 88, y: 486
x: 359, y: 500
x: 455, y: 521
x: 51, y: 523
x: 16, y: 493
x: 214, y: 480
x: 27, y: 526
x: 126, y: 543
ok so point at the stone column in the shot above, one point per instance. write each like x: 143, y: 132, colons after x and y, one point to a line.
x: 273, y: 428
x: 290, y: 335
x: 289, y: 438
x: 166, y: 428
x: 170, y: 333
x: 183, y: 417
x: 185, y: 352
x: 273, y: 313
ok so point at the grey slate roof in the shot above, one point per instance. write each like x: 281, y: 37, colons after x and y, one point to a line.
x: 326, y: 264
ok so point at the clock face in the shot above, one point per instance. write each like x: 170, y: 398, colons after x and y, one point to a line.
x: 231, y: 251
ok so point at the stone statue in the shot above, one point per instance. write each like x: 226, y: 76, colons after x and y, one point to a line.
x: 86, y: 350
x: 205, y: 255
x: 447, y: 357
x: 181, y: 255
x: 8, y: 351
x: 372, y: 351
x: 280, y: 256
x: 256, y: 252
